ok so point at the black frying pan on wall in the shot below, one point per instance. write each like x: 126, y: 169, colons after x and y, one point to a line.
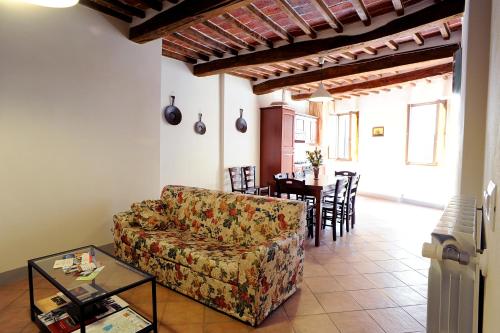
x: 172, y: 113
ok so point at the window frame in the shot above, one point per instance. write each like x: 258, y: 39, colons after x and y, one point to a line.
x: 438, y: 103
x: 352, y: 150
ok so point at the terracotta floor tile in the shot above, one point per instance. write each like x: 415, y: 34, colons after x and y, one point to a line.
x: 30, y: 328
x: 213, y: 316
x: 392, y: 265
x: 418, y: 312
x: 421, y: 289
x: 338, y: 301
x: 367, y: 267
x: 7, y: 296
x: 372, y: 299
x: 328, y: 258
x: 395, y: 320
x: 355, y: 282
x: 340, y: 269
x: 404, y: 296
x: 401, y: 254
x: 323, y: 284
x: 377, y: 255
x: 184, y: 328
x: 182, y: 313
x: 314, y: 324
x: 14, y: 319
x: 355, y: 322
x: 410, y: 277
x: 276, y: 322
x: 416, y: 263
x: 311, y: 270
x: 384, y: 280
x: 233, y: 327
x: 305, y: 304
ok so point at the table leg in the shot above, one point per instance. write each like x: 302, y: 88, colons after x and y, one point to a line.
x: 153, y: 296
x: 317, y: 196
x: 82, y: 319
x: 30, y: 281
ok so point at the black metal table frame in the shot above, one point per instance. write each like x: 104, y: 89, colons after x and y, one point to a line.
x: 34, y: 310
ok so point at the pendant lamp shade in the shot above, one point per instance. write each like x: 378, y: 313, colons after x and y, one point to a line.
x: 321, y: 95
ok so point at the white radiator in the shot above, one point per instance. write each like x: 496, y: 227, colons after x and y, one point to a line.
x: 454, y: 274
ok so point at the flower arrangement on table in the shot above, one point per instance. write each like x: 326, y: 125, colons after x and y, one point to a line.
x: 316, y: 159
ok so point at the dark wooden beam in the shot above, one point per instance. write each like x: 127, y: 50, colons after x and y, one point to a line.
x: 212, y: 42
x: 362, y: 12
x: 440, y: 11
x: 387, y: 81
x: 154, y: 4
x: 327, y: 14
x: 417, y: 37
x: 175, y: 55
x: 370, y: 50
x: 181, y: 16
x: 444, y: 29
x: 129, y: 10
x: 228, y: 36
x: 255, y: 36
x: 198, y: 46
x: 296, y: 18
x: 392, y: 45
x: 270, y: 23
x: 398, y: 7
x: 184, y: 51
x: 363, y: 66
x: 105, y: 10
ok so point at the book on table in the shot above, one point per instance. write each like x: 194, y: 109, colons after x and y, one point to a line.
x: 65, y: 318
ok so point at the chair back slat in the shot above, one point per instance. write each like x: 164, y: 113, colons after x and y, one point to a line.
x: 249, y: 176
x: 345, y: 173
x: 236, y: 178
x: 291, y: 186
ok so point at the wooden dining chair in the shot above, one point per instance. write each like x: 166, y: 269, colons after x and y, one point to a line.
x: 250, y: 182
x: 290, y: 186
x: 276, y: 177
x: 334, y: 207
x: 236, y: 180
x: 350, y: 175
x: 351, y: 211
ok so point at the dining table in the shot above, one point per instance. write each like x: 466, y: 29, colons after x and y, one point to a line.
x: 316, y: 188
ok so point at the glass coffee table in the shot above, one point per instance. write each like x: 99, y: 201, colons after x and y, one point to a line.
x: 116, y: 277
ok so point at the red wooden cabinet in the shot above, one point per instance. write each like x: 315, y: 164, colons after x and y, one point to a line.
x: 277, y: 137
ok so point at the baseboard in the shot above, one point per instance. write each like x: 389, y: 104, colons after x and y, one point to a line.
x: 401, y: 200
x: 20, y: 273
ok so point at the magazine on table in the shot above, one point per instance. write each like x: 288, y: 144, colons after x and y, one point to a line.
x: 124, y: 321
x: 53, y: 302
x: 65, y: 319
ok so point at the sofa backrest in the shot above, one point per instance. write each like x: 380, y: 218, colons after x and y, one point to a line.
x: 231, y: 217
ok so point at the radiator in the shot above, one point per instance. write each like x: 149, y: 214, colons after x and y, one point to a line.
x: 457, y: 263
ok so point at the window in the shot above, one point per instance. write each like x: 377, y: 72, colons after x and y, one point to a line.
x: 425, y: 133
x: 343, y: 136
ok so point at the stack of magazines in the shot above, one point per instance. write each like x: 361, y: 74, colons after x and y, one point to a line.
x: 109, y: 315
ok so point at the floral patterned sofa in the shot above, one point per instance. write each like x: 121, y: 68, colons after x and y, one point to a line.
x: 240, y: 254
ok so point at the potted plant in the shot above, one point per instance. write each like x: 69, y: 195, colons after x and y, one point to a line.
x: 316, y: 159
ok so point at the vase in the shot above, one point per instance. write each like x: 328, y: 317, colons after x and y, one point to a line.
x: 316, y: 172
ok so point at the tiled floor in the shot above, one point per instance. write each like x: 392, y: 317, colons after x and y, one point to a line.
x: 371, y: 280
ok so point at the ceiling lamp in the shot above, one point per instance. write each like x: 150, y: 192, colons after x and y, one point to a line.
x: 53, y: 3
x: 321, y: 94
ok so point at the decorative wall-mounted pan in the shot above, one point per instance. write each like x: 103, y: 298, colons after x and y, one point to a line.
x: 172, y: 113
x: 241, y: 124
x: 199, y: 126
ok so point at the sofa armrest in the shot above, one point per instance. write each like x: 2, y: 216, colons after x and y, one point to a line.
x: 271, y: 273
x: 123, y: 220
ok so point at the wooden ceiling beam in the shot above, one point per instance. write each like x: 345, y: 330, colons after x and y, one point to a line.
x: 154, y: 4
x: 387, y: 81
x: 369, y: 50
x: 296, y: 18
x: 417, y: 37
x: 127, y: 9
x: 362, y: 12
x: 398, y: 7
x: 444, y: 29
x: 181, y: 16
x: 212, y: 42
x: 106, y: 10
x: 348, y: 55
x: 197, y: 46
x: 383, y: 62
x: 327, y: 14
x: 283, y: 68
x: 402, y: 25
x: 255, y: 11
x: 255, y: 36
x: 185, y: 51
x: 174, y: 55
x: 235, y: 40
x: 392, y: 45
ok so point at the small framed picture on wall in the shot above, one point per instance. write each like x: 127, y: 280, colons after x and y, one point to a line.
x: 378, y: 131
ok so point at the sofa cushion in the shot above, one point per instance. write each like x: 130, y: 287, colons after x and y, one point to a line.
x: 150, y: 215
x: 239, y: 219
x: 203, y: 255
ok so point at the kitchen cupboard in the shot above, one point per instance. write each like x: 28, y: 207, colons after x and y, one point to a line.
x: 277, y: 140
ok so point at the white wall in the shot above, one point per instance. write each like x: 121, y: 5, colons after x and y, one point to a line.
x: 201, y: 160
x: 79, y: 136
x: 381, y: 160
x: 188, y: 158
x: 492, y: 172
x: 277, y: 96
